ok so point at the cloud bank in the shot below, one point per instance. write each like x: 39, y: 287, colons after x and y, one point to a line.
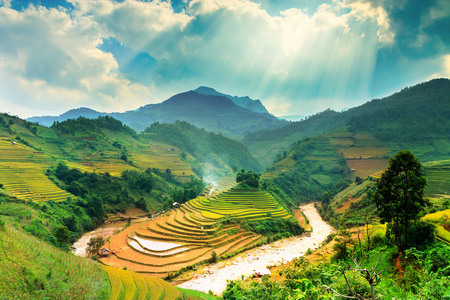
x: 300, y: 60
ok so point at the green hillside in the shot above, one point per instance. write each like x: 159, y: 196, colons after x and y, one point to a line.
x: 416, y: 116
x: 32, y: 269
x: 215, y: 151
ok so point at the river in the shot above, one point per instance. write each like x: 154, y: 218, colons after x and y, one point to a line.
x: 216, y: 276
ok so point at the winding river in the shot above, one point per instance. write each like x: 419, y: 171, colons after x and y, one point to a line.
x: 216, y: 276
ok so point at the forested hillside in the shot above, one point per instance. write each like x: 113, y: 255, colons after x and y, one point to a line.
x: 418, y: 114
x: 214, y: 150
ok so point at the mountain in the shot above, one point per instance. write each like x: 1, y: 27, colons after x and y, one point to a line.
x: 245, y: 102
x: 214, y: 112
x: 415, y: 113
x: 70, y: 114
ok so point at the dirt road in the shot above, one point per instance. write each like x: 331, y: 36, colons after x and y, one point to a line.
x: 216, y: 276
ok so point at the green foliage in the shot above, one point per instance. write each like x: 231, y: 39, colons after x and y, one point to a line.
x: 250, y: 178
x: 214, y: 257
x: 189, y: 190
x: 206, y: 147
x: 41, y: 220
x: 85, y: 125
x: 94, y: 245
x: 277, y: 227
x: 399, y: 195
x: 421, y: 233
x: 195, y: 295
x: 405, y: 116
x: 62, y: 235
x: 343, y: 239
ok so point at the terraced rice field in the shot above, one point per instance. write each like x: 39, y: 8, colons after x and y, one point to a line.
x: 161, y: 156
x: 278, y: 168
x: 173, y: 241
x: 129, y: 285
x: 438, y: 175
x: 22, y: 174
x: 184, y: 236
x: 366, y: 167
x: 442, y: 221
x: 239, y: 204
x: 112, y: 166
x: 222, y: 185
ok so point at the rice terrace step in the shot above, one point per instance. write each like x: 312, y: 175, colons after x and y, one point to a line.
x: 188, y: 235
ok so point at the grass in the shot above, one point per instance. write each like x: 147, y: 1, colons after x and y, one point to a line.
x: 195, y: 295
x: 32, y: 269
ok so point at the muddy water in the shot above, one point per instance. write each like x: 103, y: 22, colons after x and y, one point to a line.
x: 105, y: 231
x: 216, y: 276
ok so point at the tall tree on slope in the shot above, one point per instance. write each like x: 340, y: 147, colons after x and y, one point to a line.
x: 399, y: 197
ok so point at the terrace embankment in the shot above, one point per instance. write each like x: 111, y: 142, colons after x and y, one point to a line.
x: 216, y: 276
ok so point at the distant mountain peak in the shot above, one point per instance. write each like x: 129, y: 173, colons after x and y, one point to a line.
x: 245, y: 102
x: 206, y: 90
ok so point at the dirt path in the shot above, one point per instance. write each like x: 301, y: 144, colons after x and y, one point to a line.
x: 216, y: 276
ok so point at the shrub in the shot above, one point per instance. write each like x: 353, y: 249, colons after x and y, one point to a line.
x: 421, y: 233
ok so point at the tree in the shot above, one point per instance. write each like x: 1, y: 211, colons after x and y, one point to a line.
x: 399, y: 196
x: 94, y: 245
x: 62, y: 235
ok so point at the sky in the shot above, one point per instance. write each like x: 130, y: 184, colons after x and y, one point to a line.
x: 296, y: 56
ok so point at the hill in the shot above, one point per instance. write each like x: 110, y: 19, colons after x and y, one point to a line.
x: 33, y: 269
x: 82, y: 170
x: 205, y: 108
x: 214, y: 151
x: 418, y: 115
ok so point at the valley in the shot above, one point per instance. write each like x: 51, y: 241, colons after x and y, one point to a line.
x: 190, y: 206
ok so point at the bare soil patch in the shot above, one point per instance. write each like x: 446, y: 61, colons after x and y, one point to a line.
x: 346, y: 205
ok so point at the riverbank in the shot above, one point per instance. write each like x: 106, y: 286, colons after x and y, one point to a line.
x: 215, y: 276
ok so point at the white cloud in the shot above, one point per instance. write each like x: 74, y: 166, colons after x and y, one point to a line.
x: 444, y: 61
x: 231, y: 45
x: 6, y: 3
x: 51, y: 59
x: 373, y: 9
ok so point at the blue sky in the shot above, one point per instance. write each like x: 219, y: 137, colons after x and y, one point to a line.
x: 297, y: 56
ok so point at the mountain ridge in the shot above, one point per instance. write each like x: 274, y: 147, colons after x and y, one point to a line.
x: 213, y: 112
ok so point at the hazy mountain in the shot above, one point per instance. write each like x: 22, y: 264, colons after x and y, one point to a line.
x: 70, y: 114
x: 245, y: 102
x: 215, y: 113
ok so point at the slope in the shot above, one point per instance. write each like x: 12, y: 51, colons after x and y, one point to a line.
x: 418, y: 114
x: 215, y: 151
x: 32, y: 269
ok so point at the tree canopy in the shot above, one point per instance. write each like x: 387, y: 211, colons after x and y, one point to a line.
x: 399, y: 197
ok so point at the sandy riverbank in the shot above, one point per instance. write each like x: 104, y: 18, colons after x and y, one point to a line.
x: 216, y: 276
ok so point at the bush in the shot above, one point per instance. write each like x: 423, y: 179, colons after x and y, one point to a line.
x: 421, y: 233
